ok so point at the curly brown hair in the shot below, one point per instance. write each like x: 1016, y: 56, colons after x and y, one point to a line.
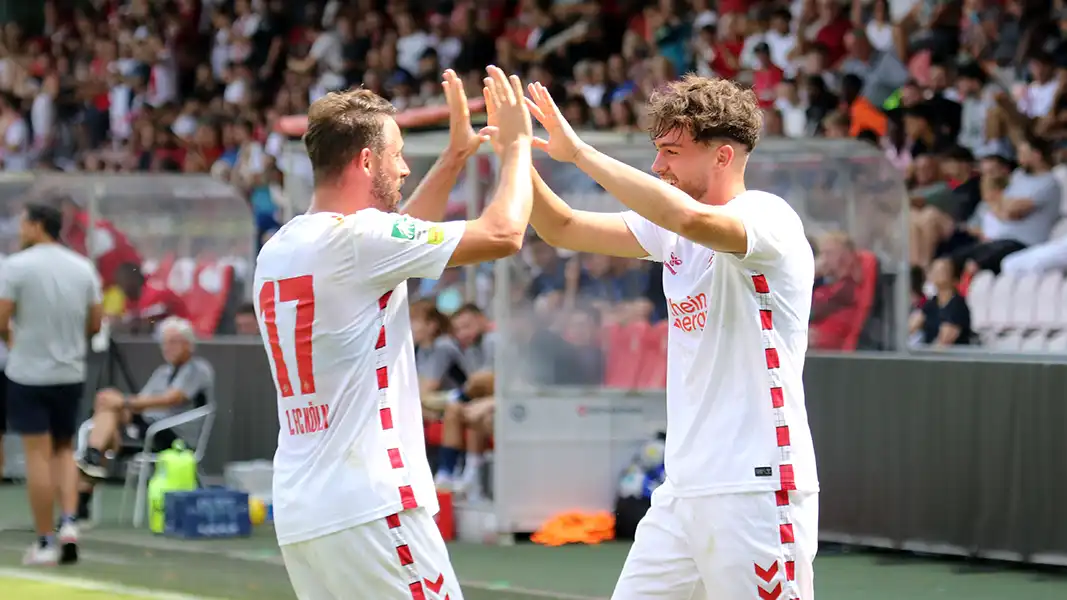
x: 340, y: 126
x: 707, y: 109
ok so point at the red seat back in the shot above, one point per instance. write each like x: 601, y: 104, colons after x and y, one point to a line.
x: 206, y: 297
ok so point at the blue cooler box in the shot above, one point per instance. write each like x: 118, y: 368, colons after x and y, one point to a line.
x: 206, y: 513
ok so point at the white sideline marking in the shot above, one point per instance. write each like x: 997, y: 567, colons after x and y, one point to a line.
x: 93, y: 586
x: 117, y: 538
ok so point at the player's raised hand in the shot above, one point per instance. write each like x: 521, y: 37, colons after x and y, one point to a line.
x: 510, y: 115
x: 562, y: 144
x: 462, y: 140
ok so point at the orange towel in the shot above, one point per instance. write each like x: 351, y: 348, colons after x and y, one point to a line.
x: 576, y: 528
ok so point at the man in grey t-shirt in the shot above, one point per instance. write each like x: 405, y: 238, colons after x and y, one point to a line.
x: 49, y: 307
x: 183, y: 382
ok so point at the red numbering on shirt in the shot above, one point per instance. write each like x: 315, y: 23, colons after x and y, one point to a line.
x: 301, y: 290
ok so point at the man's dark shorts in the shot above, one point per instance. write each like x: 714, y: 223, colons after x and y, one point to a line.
x: 163, y: 440
x: 40, y: 409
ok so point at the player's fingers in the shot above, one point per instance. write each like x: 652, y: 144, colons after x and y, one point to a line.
x: 496, y: 76
x: 460, y: 96
x: 488, y: 132
x: 548, y: 101
x: 491, y: 89
x: 490, y: 105
x: 539, y: 143
x: 506, y: 94
x: 516, y: 87
x: 535, y: 110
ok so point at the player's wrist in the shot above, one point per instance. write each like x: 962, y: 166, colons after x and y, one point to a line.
x: 581, y: 149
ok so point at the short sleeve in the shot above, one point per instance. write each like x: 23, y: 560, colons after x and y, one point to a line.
x: 1048, y: 194
x: 9, y: 284
x: 956, y: 313
x: 653, y: 238
x: 192, y: 379
x: 769, y: 223
x: 392, y: 248
x: 440, y: 360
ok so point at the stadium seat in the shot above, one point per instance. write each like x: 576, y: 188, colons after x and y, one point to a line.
x: 1033, y: 342
x: 435, y: 431
x: 1023, y: 305
x: 158, y: 273
x: 1000, y: 299
x: 180, y: 277
x: 1008, y: 342
x: 1057, y: 343
x: 206, y: 297
x: 978, y: 293
x: 653, y: 368
x: 1048, y: 311
x: 624, y: 353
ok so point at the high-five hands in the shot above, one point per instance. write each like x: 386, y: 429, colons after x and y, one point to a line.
x: 507, y: 109
x: 562, y: 144
x: 462, y: 141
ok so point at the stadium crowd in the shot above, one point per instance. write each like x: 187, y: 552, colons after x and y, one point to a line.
x: 966, y: 97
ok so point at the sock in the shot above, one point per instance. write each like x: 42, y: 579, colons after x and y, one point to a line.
x: 446, y: 461
x: 85, y: 500
x: 47, y: 540
x: 67, y: 520
x: 472, y: 465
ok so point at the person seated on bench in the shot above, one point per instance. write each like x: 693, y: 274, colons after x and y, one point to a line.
x: 183, y: 382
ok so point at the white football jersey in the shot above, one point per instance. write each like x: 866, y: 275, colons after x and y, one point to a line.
x: 736, y: 420
x: 331, y: 300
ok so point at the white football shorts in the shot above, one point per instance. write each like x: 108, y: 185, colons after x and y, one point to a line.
x: 400, y: 557
x: 736, y: 546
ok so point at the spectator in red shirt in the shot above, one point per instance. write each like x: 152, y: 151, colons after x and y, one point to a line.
x: 766, y: 79
x: 113, y: 248
x: 146, y: 303
x: 833, y: 305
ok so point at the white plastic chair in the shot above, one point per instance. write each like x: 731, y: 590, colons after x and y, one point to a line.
x: 978, y: 299
x: 1009, y: 342
x: 1033, y: 342
x: 138, y: 467
x: 1057, y: 343
x: 1024, y: 302
x: 1000, y: 302
x: 1047, y: 311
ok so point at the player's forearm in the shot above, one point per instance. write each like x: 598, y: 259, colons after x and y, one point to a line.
x: 513, y: 199
x: 661, y: 203
x: 429, y: 202
x: 550, y: 214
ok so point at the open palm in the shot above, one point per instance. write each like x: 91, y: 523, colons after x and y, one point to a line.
x: 461, y: 136
x: 562, y: 144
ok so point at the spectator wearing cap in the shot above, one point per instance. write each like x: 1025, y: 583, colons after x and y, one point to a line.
x: 1016, y: 213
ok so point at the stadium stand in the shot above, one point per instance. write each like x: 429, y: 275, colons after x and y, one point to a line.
x: 967, y: 99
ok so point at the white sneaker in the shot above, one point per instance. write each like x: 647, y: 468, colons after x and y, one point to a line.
x: 68, y: 544
x: 443, y: 482
x: 44, y: 556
